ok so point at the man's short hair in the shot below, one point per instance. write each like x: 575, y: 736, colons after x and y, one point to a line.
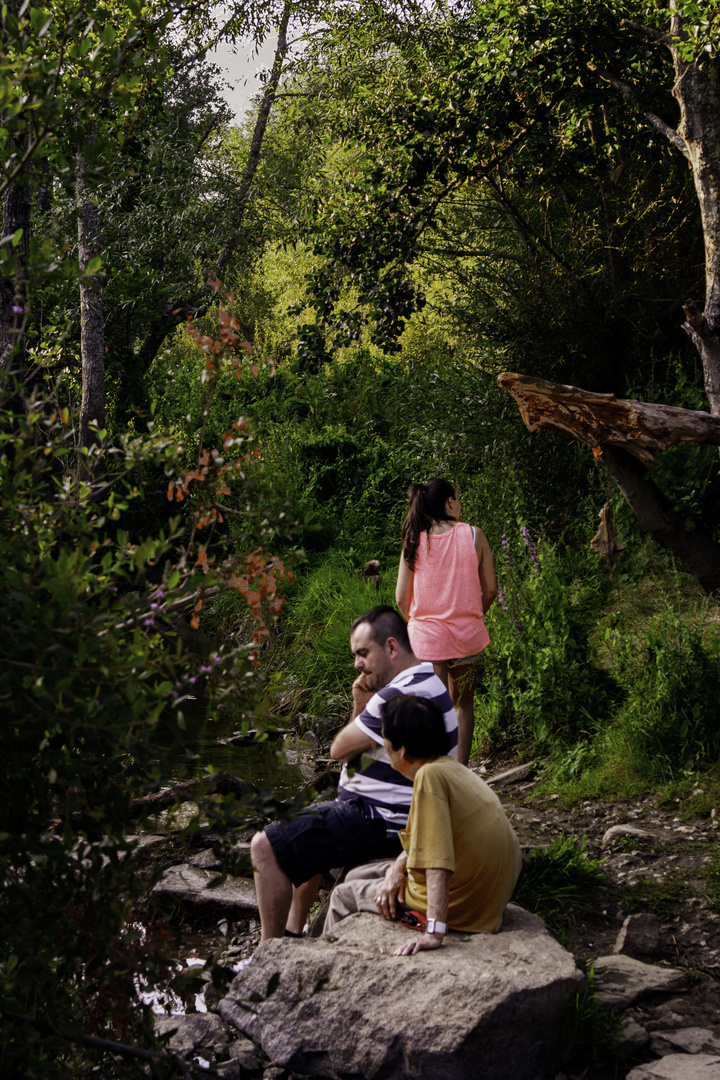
x: 417, y: 724
x: 385, y: 622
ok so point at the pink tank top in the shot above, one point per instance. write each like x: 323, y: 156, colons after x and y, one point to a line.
x: 446, y: 620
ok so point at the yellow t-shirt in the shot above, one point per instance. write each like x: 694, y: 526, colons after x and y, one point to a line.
x: 456, y: 823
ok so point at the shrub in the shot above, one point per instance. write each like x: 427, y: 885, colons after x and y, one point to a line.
x: 92, y: 685
x: 672, y: 676
x: 541, y: 681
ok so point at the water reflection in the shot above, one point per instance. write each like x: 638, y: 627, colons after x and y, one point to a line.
x: 262, y: 761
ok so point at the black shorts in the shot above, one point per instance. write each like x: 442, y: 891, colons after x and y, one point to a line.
x: 330, y: 835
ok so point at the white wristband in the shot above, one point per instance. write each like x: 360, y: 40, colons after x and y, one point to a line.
x: 434, y: 926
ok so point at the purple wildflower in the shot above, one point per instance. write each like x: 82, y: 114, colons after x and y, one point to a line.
x: 532, y: 550
x: 501, y: 599
x: 17, y: 309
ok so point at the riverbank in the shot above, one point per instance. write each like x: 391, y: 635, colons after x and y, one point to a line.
x: 655, y: 903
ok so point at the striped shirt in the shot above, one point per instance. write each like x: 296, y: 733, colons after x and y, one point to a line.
x: 385, y: 792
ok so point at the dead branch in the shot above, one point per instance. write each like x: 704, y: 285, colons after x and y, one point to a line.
x: 599, y: 420
x: 220, y: 784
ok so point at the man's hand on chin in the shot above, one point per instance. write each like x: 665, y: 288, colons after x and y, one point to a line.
x: 361, y: 693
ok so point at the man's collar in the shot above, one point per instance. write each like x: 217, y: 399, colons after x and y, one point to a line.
x: 418, y: 665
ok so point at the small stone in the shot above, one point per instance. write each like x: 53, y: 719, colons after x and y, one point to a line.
x: 639, y: 935
x: 616, y: 831
x: 632, y: 1039
x: 244, y: 1051
x: 691, y: 1040
x: 228, y: 1070
x: 193, y: 1032
x: 511, y: 776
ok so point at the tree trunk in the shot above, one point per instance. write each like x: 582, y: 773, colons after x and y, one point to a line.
x: 16, y: 205
x: 253, y: 159
x: 176, y: 312
x: 697, y: 92
x: 92, y: 329
x: 695, y: 549
x: 599, y: 420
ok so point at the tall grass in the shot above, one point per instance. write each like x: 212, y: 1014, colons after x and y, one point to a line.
x: 315, y: 643
x: 542, y: 683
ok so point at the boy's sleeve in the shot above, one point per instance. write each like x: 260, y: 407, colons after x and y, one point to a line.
x: 430, y: 826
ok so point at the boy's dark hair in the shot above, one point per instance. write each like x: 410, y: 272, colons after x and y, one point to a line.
x: 385, y: 622
x: 417, y: 724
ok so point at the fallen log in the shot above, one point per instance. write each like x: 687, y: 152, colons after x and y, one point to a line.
x: 639, y: 427
x: 221, y: 783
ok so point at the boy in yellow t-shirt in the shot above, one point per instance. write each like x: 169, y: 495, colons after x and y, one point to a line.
x: 461, y: 857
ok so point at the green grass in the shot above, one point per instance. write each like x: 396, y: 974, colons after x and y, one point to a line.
x: 584, y: 1032
x: 659, y: 897
x: 556, y: 882
x: 314, y: 643
x: 712, y: 882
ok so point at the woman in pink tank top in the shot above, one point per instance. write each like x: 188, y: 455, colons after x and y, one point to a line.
x: 446, y: 583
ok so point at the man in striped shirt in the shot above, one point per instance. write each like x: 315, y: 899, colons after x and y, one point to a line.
x: 373, y: 802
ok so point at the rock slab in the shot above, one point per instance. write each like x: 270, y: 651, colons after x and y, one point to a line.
x: 622, y: 980
x: 679, y: 1067
x: 346, y: 1007
x: 204, y: 895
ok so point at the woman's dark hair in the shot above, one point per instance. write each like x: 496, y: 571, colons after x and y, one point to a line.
x: 417, y: 724
x: 427, y: 504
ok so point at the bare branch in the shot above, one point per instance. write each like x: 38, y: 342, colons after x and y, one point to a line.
x: 631, y: 97
x: 648, y: 32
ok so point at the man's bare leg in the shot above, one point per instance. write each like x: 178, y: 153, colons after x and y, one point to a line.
x: 302, y: 901
x: 273, y: 889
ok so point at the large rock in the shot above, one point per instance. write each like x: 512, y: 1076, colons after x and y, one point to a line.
x: 482, y: 1006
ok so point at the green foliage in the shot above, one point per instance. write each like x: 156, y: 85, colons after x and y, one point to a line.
x: 585, y: 1031
x: 557, y: 881
x: 662, y: 898
x: 542, y: 683
x: 315, y: 644
x: 672, y: 677
x: 93, y: 687
x: 476, y: 147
